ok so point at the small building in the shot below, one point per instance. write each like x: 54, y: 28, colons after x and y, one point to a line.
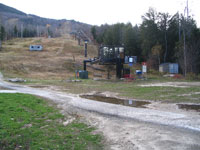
x: 35, y: 48
x: 169, y: 68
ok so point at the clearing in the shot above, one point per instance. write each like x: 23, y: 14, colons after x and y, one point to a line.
x: 169, y: 118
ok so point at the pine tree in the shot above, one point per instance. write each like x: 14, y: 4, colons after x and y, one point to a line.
x: 15, y: 31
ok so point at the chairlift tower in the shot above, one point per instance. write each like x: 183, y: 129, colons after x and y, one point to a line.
x: 112, y: 55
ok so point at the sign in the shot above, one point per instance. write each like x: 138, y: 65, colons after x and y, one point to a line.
x: 144, y: 67
x: 144, y: 63
x: 130, y: 60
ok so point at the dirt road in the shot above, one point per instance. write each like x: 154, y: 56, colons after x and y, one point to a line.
x: 159, y: 127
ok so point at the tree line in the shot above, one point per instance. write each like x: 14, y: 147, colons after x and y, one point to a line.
x: 160, y: 38
x: 22, y: 31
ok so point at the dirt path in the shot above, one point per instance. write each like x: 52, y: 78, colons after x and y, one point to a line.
x: 127, y: 128
x: 173, y: 84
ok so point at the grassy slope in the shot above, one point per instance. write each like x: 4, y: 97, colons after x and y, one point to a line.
x: 59, y: 59
x: 27, y: 122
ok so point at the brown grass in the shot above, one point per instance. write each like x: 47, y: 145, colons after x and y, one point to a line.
x: 58, y: 59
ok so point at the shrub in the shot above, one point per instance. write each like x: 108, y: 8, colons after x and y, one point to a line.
x: 192, y: 76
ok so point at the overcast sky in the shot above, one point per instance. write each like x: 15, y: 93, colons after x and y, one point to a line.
x: 97, y: 12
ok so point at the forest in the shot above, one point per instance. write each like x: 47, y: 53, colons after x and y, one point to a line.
x: 160, y: 38
x: 15, y: 23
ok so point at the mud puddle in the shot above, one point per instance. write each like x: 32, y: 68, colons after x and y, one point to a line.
x: 3, y: 88
x: 112, y: 100
x: 194, y: 107
x: 38, y: 86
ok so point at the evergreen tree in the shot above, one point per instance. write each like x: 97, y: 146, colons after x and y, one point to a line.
x: 93, y: 31
x: 149, y: 32
x: 15, y: 31
x: 2, y: 33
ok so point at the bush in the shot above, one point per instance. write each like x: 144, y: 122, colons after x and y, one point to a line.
x: 26, y: 45
x: 153, y: 71
x: 192, y: 76
x: 38, y: 41
x: 11, y: 43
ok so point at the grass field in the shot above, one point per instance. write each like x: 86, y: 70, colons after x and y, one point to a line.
x: 27, y: 122
x: 130, y: 90
x: 133, y: 90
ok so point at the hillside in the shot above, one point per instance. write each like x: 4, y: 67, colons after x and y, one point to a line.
x: 11, y: 17
x: 59, y: 59
x: 7, y: 9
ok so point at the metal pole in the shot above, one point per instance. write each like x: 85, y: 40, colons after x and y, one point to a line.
x: 84, y: 65
x: 85, y: 48
x: 187, y: 10
x: 184, y: 52
x: 119, y: 67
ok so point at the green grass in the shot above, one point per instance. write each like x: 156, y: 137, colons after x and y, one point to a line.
x: 28, y: 122
x: 168, y: 94
x: 133, y: 90
x: 130, y: 89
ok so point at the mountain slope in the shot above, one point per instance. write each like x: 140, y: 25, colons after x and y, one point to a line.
x: 11, y: 17
x: 7, y: 9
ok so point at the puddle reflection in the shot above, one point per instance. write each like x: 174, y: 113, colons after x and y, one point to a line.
x: 131, y: 103
x: 189, y: 107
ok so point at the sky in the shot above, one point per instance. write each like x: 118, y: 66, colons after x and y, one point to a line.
x: 97, y: 12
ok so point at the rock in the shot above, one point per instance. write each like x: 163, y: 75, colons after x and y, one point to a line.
x: 68, y: 121
x: 16, y: 80
x: 97, y: 79
x: 27, y: 126
x: 73, y: 81
x: 76, y: 81
x: 168, y: 75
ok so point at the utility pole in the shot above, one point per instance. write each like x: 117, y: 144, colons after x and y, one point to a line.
x: 179, y: 27
x: 186, y: 10
x: 184, y: 51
